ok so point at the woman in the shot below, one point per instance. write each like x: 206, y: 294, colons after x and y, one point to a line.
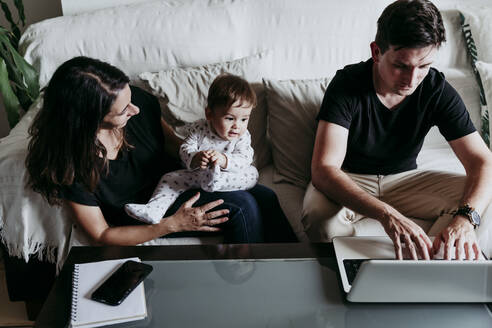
x: 98, y: 144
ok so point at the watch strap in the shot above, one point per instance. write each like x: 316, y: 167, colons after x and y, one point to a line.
x: 468, y: 211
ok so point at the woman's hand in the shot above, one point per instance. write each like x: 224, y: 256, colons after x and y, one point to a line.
x: 189, y: 218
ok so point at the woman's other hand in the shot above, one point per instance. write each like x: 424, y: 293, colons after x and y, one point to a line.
x: 189, y: 218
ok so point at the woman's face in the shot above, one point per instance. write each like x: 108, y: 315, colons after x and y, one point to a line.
x: 121, y: 110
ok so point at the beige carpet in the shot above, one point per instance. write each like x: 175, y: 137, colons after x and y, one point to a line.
x: 12, y: 314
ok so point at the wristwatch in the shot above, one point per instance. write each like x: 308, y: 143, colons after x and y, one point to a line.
x: 470, y: 213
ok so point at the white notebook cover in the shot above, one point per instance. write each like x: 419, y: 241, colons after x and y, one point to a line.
x: 85, y: 312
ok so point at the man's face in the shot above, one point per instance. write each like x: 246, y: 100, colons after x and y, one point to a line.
x: 401, y: 71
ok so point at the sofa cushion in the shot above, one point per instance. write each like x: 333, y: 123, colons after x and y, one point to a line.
x: 485, y: 71
x: 478, y: 17
x: 477, y: 26
x: 182, y: 94
x: 310, y: 40
x: 292, y: 107
x: 464, y: 83
x: 290, y: 197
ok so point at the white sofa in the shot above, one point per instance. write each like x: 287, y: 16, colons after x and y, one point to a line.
x: 290, y: 49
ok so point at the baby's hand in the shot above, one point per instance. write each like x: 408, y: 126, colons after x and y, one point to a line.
x: 201, y: 160
x: 217, y: 158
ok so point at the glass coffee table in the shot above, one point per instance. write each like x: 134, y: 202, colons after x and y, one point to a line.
x: 258, y: 285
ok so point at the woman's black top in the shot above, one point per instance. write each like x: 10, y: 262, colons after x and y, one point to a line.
x: 134, y: 174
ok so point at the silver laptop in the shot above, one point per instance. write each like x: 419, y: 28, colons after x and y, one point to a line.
x: 369, y: 272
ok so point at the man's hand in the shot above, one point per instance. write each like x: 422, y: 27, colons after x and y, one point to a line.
x: 398, y: 228
x: 458, y: 233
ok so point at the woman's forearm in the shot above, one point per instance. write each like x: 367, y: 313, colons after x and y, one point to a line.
x: 137, y: 234
x: 91, y: 220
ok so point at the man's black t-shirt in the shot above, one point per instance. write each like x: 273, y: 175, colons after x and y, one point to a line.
x: 135, y: 173
x: 383, y: 141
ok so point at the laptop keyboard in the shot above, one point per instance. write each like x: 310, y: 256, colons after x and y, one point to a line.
x: 351, y: 268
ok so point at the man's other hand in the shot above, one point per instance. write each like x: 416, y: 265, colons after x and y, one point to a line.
x: 458, y: 233
x: 400, y: 228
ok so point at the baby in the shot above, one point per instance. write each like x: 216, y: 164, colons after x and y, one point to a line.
x: 217, y: 152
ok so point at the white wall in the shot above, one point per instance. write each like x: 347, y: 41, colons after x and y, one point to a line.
x: 35, y: 11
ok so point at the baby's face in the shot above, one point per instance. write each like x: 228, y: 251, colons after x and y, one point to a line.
x: 230, y: 123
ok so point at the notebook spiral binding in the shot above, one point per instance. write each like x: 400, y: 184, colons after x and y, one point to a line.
x: 75, y: 293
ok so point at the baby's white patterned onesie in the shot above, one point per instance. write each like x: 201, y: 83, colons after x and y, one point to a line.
x: 240, y: 174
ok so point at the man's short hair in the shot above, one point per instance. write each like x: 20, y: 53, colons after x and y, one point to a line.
x: 226, y: 89
x: 410, y: 24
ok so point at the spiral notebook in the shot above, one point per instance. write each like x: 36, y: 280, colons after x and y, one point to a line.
x: 86, y: 312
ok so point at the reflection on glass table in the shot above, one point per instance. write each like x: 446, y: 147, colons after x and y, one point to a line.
x: 291, y: 285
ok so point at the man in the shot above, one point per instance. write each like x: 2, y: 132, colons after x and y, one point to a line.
x: 372, y: 124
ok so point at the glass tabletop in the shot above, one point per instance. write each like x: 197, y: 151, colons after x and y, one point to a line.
x: 284, y: 285
x: 278, y: 293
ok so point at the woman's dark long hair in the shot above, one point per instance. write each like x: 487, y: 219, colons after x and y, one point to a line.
x: 64, y: 147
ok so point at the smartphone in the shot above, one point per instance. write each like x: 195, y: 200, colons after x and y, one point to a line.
x: 121, y: 283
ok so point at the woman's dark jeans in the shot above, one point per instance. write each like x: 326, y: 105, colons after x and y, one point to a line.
x: 254, y: 216
x: 275, y: 224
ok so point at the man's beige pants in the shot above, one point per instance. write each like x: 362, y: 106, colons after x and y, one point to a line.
x: 429, y: 196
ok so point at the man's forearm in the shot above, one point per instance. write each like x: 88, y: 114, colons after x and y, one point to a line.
x: 339, y: 187
x: 478, y: 187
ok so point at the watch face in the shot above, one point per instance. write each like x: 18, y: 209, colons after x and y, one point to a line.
x: 475, y: 218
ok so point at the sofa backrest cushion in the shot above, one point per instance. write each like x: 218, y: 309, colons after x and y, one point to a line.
x: 477, y: 20
x: 478, y: 16
x: 464, y: 83
x: 182, y: 94
x: 292, y: 109
x: 485, y: 71
x: 311, y: 39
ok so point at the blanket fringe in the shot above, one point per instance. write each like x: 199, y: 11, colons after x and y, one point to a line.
x: 41, y: 251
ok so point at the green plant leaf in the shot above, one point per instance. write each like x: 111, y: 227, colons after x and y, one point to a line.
x: 4, y: 31
x: 20, y: 9
x: 29, y: 73
x: 21, y: 73
x: 10, y: 100
x: 14, y: 74
x: 13, y: 25
x: 7, y: 12
x: 19, y: 85
x: 23, y: 77
x: 485, y: 127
